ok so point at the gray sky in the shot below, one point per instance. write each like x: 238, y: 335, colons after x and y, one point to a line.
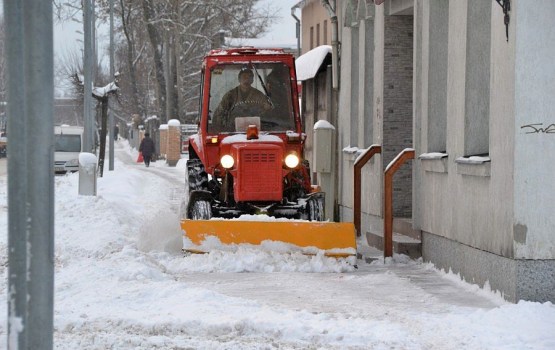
x: 68, y: 34
x: 284, y: 29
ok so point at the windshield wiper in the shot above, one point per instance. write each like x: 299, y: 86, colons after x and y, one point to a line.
x: 263, y: 86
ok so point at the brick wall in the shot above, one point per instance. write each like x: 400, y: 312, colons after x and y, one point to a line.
x: 397, y: 122
x: 173, y: 145
x: 163, y: 140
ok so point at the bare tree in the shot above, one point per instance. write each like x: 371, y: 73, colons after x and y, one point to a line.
x: 160, y: 45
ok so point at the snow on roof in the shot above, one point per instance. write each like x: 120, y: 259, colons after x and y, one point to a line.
x: 262, y: 43
x: 309, y: 64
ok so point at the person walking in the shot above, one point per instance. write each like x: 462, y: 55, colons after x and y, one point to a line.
x: 116, y: 132
x: 147, y: 148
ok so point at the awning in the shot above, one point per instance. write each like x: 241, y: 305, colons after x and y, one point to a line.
x: 309, y: 64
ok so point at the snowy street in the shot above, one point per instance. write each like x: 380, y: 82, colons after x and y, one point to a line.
x: 122, y: 282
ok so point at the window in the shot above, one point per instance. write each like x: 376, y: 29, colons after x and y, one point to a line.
x: 318, y: 34
x: 437, y: 76
x: 266, y: 95
x: 477, y: 80
x: 354, y: 85
x: 67, y: 143
x: 325, y: 32
x: 311, y: 38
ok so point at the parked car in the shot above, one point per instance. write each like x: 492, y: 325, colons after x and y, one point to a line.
x: 68, y: 143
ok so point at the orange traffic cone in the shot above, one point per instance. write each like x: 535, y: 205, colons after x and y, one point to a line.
x: 140, y: 159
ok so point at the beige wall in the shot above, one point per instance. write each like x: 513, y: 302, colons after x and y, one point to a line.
x: 315, y: 20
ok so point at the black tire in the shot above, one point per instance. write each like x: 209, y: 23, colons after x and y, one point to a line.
x: 196, y: 175
x: 200, y: 210
x: 315, y: 209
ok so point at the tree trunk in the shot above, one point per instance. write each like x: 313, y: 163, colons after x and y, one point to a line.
x: 103, y: 130
x: 178, y: 75
x: 136, y: 106
x: 156, y: 43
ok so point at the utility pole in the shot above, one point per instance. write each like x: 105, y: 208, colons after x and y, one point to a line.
x: 112, y: 73
x: 30, y: 62
x: 88, y: 136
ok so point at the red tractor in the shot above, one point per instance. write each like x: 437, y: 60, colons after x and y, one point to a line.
x: 247, y: 157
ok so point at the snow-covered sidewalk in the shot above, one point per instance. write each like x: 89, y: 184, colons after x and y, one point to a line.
x: 122, y: 283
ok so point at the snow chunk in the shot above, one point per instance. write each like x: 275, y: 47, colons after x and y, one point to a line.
x: 174, y: 122
x: 323, y: 124
x: 87, y: 158
x: 105, y: 90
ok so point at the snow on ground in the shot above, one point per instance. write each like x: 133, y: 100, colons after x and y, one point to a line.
x: 122, y: 283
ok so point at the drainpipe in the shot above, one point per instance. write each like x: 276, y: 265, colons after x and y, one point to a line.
x: 298, y: 28
x: 334, y: 42
x: 331, y: 8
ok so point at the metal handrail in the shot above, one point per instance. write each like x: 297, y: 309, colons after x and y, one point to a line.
x: 359, y: 163
x: 406, y: 154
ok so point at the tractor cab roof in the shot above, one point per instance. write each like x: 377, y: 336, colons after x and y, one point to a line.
x: 245, y: 50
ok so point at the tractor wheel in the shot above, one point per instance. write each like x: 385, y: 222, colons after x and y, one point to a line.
x: 197, y: 177
x: 200, y: 210
x: 315, y: 209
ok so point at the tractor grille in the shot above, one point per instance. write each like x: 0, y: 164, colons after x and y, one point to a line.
x: 262, y: 157
x: 259, y: 175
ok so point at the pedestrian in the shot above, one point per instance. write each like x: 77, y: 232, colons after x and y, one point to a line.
x: 147, y: 148
x: 116, y: 132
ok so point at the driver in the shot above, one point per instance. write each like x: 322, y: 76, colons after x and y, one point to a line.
x: 242, y: 100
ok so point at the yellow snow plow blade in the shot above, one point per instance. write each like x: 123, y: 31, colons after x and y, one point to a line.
x: 335, y: 239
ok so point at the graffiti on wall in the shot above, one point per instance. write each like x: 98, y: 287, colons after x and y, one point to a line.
x: 538, y: 128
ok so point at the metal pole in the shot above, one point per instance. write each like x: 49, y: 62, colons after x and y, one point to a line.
x: 93, y: 41
x: 17, y: 182
x: 88, y: 139
x: 112, y: 73
x: 297, y: 29
x: 30, y: 174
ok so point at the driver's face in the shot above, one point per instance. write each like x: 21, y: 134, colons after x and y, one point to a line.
x: 246, y: 79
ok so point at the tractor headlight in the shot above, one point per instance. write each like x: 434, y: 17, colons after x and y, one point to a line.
x: 291, y: 160
x: 227, y: 161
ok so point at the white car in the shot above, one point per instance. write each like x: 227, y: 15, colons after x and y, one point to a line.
x: 68, y: 143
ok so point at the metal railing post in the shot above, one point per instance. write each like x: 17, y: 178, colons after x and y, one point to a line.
x: 406, y: 154
x: 359, y: 163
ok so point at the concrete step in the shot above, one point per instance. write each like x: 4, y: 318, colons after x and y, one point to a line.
x: 367, y: 253
x: 404, y: 227
x: 402, y: 244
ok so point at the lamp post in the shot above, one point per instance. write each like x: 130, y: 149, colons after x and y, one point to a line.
x: 88, y: 138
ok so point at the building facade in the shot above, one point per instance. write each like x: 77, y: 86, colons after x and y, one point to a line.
x: 468, y: 84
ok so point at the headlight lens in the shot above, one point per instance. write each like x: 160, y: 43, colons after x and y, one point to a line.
x: 227, y: 161
x: 291, y: 160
